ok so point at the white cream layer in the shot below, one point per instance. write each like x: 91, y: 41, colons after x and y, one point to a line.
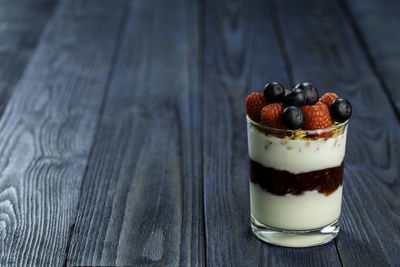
x: 310, y: 210
x: 295, y: 156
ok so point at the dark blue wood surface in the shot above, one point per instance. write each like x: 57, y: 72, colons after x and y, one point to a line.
x: 122, y: 130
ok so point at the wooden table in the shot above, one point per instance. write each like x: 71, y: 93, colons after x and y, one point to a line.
x: 123, y: 136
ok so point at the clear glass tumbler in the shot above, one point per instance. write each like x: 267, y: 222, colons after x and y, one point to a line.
x: 296, y: 182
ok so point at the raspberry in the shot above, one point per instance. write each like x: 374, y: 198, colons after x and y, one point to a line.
x: 328, y: 98
x: 271, y: 115
x: 254, y: 104
x: 317, y: 117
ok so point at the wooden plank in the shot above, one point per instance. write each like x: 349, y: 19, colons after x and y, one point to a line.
x: 241, y: 54
x: 377, y: 26
x: 323, y: 48
x: 21, y: 27
x: 142, y: 195
x: 47, y: 130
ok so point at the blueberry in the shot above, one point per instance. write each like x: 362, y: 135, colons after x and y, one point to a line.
x: 311, y: 91
x: 293, y: 117
x: 295, y: 97
x: 340, y: 110
x: 274, y: 92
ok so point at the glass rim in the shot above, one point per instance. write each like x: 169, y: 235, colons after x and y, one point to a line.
x: 308, y: 132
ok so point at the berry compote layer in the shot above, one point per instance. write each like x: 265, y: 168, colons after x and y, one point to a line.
x: 295, y: 181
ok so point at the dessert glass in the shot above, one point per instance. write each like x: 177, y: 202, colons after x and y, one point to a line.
x: 296, y: 182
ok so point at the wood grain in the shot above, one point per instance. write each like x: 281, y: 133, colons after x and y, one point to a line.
x: 141, y: 201
x: 47, y: 129
x: 324, y: 49
x: 377, y: 27
x: 242, y: 53
x: 21, y: 27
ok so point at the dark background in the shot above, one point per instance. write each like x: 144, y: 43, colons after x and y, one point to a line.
x: 122, y: 127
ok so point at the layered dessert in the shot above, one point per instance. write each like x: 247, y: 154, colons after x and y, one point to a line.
x: 296, y: 143
x: 295, y: 184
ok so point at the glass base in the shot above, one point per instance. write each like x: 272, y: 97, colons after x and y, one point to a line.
x: 295, y: 238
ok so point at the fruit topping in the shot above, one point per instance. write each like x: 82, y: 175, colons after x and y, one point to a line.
x: 274, y: 92
x: 311, y: 92
x: 295, y: 97
x: 317, y: 117
x: 328, y: 98
x: 293, y: 117
x: 340, y: 110
x: 298, y: 108
x: 271, y: 115
x: 254, y: 104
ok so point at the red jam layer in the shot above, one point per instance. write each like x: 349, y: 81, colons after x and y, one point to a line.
x: 279, y: 183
